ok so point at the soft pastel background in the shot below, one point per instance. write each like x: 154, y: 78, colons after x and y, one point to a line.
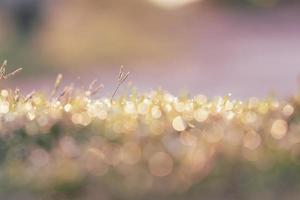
x: 246, y: 47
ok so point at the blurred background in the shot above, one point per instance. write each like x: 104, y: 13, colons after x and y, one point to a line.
x: 246, y: 47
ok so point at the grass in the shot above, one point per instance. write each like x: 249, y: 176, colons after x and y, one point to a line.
x: 145, y: 145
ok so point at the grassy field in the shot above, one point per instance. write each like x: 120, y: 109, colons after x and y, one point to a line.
x: 71, y: 145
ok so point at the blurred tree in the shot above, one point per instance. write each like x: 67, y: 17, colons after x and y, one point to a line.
x: 255, y: 3
x: 25, y: 14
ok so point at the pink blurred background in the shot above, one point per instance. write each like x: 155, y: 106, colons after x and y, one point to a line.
x: 245, y: 47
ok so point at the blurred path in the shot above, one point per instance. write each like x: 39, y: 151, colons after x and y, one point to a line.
x: 248, y: 54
